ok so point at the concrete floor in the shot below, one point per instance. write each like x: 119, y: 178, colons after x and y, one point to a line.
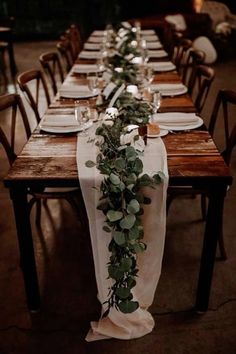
x: 67, y: 280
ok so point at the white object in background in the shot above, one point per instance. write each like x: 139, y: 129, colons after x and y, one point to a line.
x: 203, y: 43
x: 133, y: 89
x: 178, y: 21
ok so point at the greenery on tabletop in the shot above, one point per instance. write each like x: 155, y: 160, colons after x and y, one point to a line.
x: 121, y: 190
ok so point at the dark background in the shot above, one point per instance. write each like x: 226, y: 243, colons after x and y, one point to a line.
x: 47, y: 19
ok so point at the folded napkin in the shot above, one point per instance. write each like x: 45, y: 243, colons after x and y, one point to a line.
x: 175, y: 119
x: 150, y: 38
x: 170, y: 89
x: 75, y: 91
x: 95, y: 39
x: 98, y: 33
x: 154, y: 45
x: 148, y: 32
x: 157, y: 53
x: 162, y: 66
x: 86, y: 68
x: 95, y: 46
x: 89, y: 54
x: 62, y: 120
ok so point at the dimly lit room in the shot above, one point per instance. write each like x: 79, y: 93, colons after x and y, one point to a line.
x: 117, y: 166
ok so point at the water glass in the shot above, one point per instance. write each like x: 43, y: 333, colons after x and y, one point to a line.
x: 92, y: 79
x: 156, y: 100
x: 82, y: 114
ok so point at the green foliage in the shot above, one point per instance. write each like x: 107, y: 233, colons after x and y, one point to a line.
x: 121, y: 194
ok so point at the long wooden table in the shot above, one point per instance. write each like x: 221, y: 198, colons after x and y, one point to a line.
x: 193, y: 160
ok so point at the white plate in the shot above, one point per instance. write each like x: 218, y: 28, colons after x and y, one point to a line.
x: 172, y: 91
x: 63, y: 130
x: 79, y: 94
x: 163, y: 132
x: 184, y: 127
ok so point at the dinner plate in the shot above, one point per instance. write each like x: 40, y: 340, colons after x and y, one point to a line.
x: 183, y: 127
x: 80, y: 94
x: 65, y: 130
x: 163, y: 132
x: 170, y: 91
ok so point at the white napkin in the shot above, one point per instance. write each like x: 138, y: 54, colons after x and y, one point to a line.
x: 150, y: 38
x: 98, y: 33
x: 162, y: 66
x: 85, y: 68
x: 84, y: 54
x: 175, y: 119
x: 95, y: 39
x: 62, y: 120
x: 154, y: 45
x: 148, y: 32
x: 170, y: 89
x: 157, y: 53
x: 92, y: 46
x: 75, y: 91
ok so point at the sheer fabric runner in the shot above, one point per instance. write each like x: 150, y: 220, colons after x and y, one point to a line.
x: 140, y: 322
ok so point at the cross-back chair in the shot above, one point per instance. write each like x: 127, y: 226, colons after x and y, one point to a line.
x: 194, y: 58
x: 224, y: 99
x: 65, y: 51
x: 74, y: 36
x: 201, y: 83
x: 51, y: 64
x: 181, y: 52
x: 25, y: 81
x: 72, y: 195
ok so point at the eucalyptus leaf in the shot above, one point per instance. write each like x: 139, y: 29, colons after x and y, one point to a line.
x: 115, y: 272
x: 133, y: 207
x: 126, y: 264
x: 128, y: 221
x: 120, y: 164
x: 119, y: 237
x: 128, y: 306
x: 114, y: 179
x: 134, y: 233
x: 114, y: 215
x: 122, y: 293
x: 90, y: 163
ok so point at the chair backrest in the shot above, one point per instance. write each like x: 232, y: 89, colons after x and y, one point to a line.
x: 65, y: 51
x: 34, y: 77
x: 51, y: 64
x: 15, y: 104
x: 181, y: 52
x: 224, y: 98
x: 204, y: 76
x: 74, y: 36
x: 194, y: 58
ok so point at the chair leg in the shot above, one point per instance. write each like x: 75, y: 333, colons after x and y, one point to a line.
x: 223, y: 253
x: 203, y: 206
x: 38, y: 212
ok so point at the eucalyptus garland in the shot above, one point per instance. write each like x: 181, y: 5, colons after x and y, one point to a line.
x: 122, y: 198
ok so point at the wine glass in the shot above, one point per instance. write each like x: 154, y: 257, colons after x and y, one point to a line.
x: 156, y: 101
x: 82, y: 114
x: 92, y: 79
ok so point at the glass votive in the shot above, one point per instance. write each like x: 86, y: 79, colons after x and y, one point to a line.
x: 133, y: 89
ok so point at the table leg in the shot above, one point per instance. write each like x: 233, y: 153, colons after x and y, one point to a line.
x: 211, y: 235
x: 27, y: 259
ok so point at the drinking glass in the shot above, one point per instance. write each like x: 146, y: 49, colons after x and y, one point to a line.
x: 82, y: 115
x: 156, y: 101
x: 92, y: 79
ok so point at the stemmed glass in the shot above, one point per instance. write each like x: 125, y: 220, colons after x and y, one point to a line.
x: 156, y: 101
x: 82, y: 115
x: 92, y: 79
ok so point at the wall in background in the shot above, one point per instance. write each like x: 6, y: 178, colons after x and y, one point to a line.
x: 47, y: 19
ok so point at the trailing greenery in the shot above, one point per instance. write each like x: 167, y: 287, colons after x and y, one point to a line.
x: 122, y: 197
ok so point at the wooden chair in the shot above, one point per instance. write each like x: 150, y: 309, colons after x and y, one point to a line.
x: 201, y: 83
x: 72, y: 195
x: 74, y: 36
x: 26, y: 80
x: 194, y: 58
x: 65, y: 51
x: 51, y: 64
x: 224, y: 99
x: 181, y: 52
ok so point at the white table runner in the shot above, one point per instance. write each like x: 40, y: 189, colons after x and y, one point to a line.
x: 140, y: 322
